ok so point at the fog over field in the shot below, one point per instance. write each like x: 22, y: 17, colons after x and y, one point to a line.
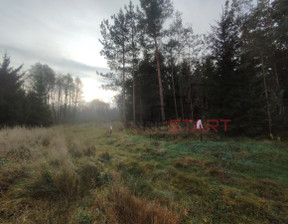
x: 144, y: 111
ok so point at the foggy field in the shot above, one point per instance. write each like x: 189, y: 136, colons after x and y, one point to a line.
x: 82, y: 174
x: 144, y: 112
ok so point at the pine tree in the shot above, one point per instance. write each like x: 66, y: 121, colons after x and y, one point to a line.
x: 42, y: 81
x: 235, y: 80
x: 38, y: 112
x: 259, y: 43
x: 224, y: 46
x: 156, y: 12
x: 147, y: 80
x: 173, y: 51
x: 133, y: 23
x: 12, y: 96
x: 279, y: 19
x: 115, y: 48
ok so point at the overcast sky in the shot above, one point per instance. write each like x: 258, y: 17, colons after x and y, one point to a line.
x: 64, y: 34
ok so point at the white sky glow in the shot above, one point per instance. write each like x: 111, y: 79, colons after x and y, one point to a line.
x: 92, y: 90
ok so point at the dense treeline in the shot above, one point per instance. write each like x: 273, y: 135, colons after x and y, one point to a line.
x: 238, y: 71
x: 40, y: 97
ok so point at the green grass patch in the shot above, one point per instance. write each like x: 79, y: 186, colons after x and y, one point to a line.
x: 84, y: 174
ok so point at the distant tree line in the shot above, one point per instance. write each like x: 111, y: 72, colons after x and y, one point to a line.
x: 99, y: 112
x: 237, y: 72
x: 41, y: 97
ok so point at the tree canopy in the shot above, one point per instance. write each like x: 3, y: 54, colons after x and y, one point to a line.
x: 238, y: 71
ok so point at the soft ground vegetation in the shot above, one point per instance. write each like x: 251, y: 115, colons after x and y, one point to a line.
x: 82, y: 174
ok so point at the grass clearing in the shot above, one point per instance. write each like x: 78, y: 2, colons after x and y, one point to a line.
x: 82, y: 174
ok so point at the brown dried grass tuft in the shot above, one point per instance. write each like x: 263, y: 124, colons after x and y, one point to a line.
x: 120, y: 206
x: 25, y: 145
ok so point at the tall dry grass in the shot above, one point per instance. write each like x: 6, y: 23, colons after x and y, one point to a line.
x: 45, y: 176
x: 121, y: 207
x: 21, y: 144
x: 48, y: 175
x: 35, y: 170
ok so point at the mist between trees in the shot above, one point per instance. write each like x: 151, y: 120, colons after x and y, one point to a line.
x: 39, y: 97
x: 238, y: 71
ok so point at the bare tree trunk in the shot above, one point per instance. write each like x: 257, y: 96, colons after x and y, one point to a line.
x: 181, y: 99
x: 190, y: 97
x: 133, y: 75
x: 190, y: 89
x: 66, y: 103
x: 174, y: 94
x: 141, y: 111
x: 266, y: 95
x: 123, y: 89
x: 278, y: 88
x: 134, y: 100
x: 159, y: 80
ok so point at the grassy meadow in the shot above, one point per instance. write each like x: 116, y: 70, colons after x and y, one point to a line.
x: 82, y: 174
